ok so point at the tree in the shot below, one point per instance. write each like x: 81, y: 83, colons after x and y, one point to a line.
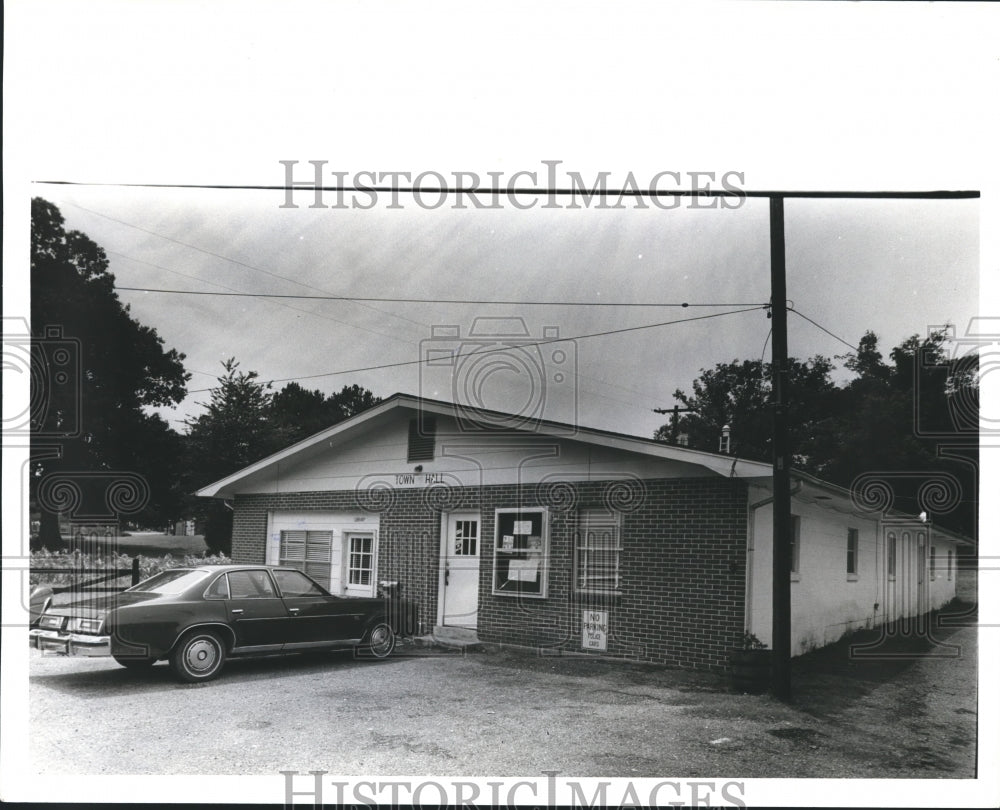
x: 90, y: 424
x: 244, y: 422
x: 911, y: 421
x: 914, y: 422
x: 738, y: 395
x: 295, y: 413
x: 233, y: 432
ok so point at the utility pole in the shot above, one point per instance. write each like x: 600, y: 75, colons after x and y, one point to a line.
x: 674, y: 422
x: 781, y: 602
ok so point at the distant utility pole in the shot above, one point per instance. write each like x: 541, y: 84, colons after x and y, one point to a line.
x: 781, y: 601
x: 675, y: 419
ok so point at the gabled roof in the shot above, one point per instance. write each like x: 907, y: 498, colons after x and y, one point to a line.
x: 809, y: 488
x: 341, y: 432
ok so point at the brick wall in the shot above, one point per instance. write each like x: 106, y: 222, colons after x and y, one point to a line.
x: 683, y: 562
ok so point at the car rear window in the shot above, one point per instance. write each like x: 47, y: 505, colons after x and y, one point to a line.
x: 173, y: 581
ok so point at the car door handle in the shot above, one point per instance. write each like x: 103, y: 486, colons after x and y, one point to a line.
x: 293, y: 610
x: 237, y: 610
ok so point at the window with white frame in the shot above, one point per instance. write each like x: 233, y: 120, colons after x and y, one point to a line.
x: 309, y: 551
x: 361, y: 556
x: 793, y: 557
x: 852, y: 551
x: 921, y: 559
x: 521, y: 552
x: 597, y: 552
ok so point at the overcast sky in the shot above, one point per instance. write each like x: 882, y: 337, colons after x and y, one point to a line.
x: 897, y: 267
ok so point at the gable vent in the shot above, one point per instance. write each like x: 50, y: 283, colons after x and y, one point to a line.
x: 420, y: 443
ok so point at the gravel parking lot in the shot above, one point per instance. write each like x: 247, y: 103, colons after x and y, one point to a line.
x: 502, y: 712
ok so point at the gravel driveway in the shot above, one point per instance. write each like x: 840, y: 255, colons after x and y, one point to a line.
x: 506, y: 713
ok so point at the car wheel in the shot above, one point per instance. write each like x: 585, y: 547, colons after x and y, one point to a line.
x: 135, y: 662
x: 380, y: 641
x: 198, y: 656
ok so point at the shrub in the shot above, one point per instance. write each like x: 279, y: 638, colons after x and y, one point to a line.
x: 751, y: 642
x: 85, y: 566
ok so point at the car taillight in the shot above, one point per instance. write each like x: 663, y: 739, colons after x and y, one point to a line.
x: 86, y: 625
x: 52, y: 622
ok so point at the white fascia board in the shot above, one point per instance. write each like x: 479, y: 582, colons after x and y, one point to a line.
x: 349, y: 424
x: 726, y: 466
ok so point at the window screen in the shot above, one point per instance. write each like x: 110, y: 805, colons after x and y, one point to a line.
x: 598, y: 551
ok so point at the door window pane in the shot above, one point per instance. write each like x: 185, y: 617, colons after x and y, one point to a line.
x: 359, y: 570
x: 292, y: 583
x: 250, y: 585
x: 466, y: 538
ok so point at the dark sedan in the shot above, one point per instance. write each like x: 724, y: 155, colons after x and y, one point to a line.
x: 196, y: 618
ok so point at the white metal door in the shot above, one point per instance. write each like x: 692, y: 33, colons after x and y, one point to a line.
x: 461, y: 571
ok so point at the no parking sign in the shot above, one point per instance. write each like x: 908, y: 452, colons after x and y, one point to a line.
x: 594, y: 630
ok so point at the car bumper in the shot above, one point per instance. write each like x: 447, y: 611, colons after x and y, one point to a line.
x: 69, y: 643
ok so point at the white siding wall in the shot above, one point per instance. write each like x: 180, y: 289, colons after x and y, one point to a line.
x: 340, y: 524
x: 827, y: 602
x: 461, y: 459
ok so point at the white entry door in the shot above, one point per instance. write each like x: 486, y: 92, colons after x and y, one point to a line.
x: 461, y: 571
x: 359, y: 563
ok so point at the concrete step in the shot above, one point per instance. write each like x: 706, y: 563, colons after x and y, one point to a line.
x: 458, y: 637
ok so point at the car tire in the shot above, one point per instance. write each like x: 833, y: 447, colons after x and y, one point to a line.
x: 379, y: 642
x: 198, y: 656
x: 135, y: 662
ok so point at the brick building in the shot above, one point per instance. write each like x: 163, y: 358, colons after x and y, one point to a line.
x: 549, y: 535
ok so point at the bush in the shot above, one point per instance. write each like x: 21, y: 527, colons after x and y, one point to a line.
x: 88, y: 565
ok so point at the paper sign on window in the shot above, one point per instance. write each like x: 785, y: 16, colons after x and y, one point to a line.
x: 522, y: 527
x: 523, y: 571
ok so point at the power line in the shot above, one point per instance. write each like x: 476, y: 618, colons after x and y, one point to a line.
x: 233, y: 261
x: 823, y: 328
x: 684, y: 304
x: 232, y: 291
x: 279, y: 303
x: 939, y: 194
x: 506, y: 348
x: 764, y: 347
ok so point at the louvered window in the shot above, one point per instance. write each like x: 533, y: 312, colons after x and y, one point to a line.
x: 420, y: 442
x: 309, y: 551
x: 598, y: 551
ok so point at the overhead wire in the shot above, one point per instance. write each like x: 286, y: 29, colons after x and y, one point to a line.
x: 823, y: 328
x: 518, y: 345
x: 484, y: 302
x: 231, y: 260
